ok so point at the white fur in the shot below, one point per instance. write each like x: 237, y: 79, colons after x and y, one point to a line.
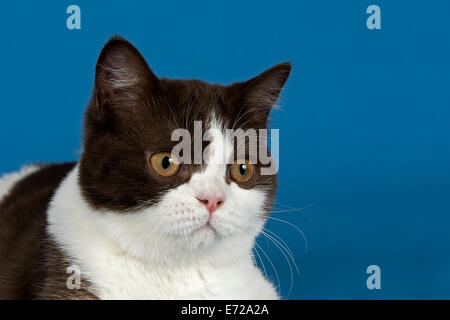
x: 7, y: 181
x: 167, y: 251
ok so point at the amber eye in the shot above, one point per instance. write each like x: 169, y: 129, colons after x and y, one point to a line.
x: 242, y: 172
x: 165, y: 164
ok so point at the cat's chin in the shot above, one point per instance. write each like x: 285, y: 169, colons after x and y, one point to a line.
x: 205, y: 229
x: 208, y: 236
x: 203, y: 237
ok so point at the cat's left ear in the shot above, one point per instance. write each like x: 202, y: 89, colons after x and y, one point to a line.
x: 122, y: 77
x: 261, y: 93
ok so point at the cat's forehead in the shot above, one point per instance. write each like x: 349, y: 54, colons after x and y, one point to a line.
x: 187, y: 101
x: 187, y: 89
x: 194, y: 97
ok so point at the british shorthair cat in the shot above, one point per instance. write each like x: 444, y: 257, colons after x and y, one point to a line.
x: 130, y: 220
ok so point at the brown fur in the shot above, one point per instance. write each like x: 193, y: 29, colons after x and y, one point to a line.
x: 31, y: 266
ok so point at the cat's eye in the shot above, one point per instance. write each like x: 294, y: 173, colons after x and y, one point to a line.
x: 165, y: 164
x: 241, y: 171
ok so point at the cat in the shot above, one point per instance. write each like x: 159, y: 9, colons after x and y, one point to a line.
x: 129, y: 220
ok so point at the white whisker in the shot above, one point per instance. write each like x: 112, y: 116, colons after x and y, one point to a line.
x: 271, y: 263
x: 284, y: 245
x: 295, y: 227
x: 262, y: 262
x: 286, y: 258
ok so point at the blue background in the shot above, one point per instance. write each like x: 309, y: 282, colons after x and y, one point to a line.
x: 365, y: 117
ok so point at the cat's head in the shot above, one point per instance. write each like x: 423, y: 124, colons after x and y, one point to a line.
x: 146, y: 196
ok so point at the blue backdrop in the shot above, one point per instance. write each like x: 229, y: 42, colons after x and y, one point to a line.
x: 364, y: 125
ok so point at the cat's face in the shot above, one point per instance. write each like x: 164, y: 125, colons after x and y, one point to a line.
x: 146, y: 196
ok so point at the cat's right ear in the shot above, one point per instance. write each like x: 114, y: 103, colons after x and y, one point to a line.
x: 122, y: 77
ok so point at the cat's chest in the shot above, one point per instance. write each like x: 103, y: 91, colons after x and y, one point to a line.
x: 131, y: 280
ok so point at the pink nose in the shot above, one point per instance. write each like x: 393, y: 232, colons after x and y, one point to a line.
x: 211, y: 203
